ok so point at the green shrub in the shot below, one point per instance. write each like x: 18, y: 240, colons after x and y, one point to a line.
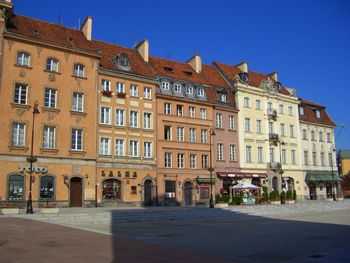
x: 283, y: 195
x: 217, y: 198
x: 289, y: 195
x: 274, y: 196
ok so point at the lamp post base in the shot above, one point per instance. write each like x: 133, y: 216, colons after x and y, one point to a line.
x: 211, y: 202
x: 29, y: 205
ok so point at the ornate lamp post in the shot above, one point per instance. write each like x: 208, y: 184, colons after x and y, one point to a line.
x: 333, y: 184
x: 211, y: 169
x: 31, y: 160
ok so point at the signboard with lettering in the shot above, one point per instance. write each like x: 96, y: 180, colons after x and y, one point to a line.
x: 36, y: 169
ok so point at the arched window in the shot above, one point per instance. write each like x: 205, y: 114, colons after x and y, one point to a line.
x: 52, y: 64
x: 111, y: 189
x: 274, y: 184
x: 23, y: 59
x: 47, y: 187
x: 16, y: 187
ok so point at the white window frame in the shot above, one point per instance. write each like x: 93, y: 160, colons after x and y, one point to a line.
x: 119, y: 147
x: 205, y: 161
x: 167, y: 108
x: 231, y: 119
x: 23, y: 59
x: 260, y: 154
x: 192, y: 137
x: 120, y: 87
x: 201, y: 92
x: 258, y: 104
x: 147, y: 149
x: 105, y: 146
x: 290, y: 111
x: 248, y: 154
x: 259, y: 126
x: 49, y: 137
x: 105, y: 115
x: 180, y: 134
x: 50, y: 100
x: 52, y: 64
x: 78, y: 102
x: 165, y: 85
x: 77, y: 139
x: 219, y: 120
x: 79, y: 70
x: 247, y: 126
x: 180, y: 160
x: 147, y: 120
x: 18, y: 134
x: 177, y: 87
x: 120, y: 117
x: 189, y: 89
x: 232, y: 152
x: 134, y: 90
x: 20, y: 94
x: 193, y: 161
x: 220, y: 152
x: 133, y: 148
x: 180, y: 110
x: 147, y: 93
x: 203, y: 113
x: 246, y: 102
x: 293, y: 157
x: 168, y: 160
x: 192, y: 111
x: 134, y: 119
x: 204, y: 136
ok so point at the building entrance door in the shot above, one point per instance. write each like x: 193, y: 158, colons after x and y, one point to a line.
x: 188, y: 193
x: 312, y: 188
x: 147, y: 197
x: 76, y: 192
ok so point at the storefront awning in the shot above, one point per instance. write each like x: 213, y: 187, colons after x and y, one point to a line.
x: 318, y: 176
x: 241, y: 175
x: 205, y: 180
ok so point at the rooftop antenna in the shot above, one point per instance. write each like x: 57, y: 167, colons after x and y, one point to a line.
x: 78, y: 23
x: 59, y: 19
x: 133, y: 40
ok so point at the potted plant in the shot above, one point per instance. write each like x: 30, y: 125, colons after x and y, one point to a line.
x: 275, y: 198
x: 283, y: 197
x: 107, y: 93
x: 289, y: 197
x: 121, y: 95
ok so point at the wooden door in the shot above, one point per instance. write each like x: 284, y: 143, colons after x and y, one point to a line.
x: 76, y: 192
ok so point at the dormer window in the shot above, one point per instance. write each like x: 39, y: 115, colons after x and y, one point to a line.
x: 188, y: 73
x: 165, y: 85
x: 301, y: 111
x: 223, y: 97
x: 243, y: 76
x: 201, y: 92
x: 122, y: 61
x: 177, y: 87
x: 318, y: 114
x: 189, y: 89
x: 168, y: 69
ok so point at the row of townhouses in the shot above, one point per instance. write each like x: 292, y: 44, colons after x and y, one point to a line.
x: 85, y: 122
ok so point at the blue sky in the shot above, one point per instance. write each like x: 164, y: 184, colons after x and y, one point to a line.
x: 307, y: 42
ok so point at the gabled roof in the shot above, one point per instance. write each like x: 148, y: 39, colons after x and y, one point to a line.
x: 310, y: 113
x: 34, y: 29
x: 255, y: 78
x: 213, y: 77
x: 111, y: 51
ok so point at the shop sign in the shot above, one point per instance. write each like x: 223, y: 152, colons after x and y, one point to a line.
x: 36, y: 169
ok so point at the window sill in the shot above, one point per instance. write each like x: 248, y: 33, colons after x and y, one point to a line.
x: 119, y: 126
x: 77, y: 152
x: 135, y: 128
x: 106, y: 125
x: 78, y: 113
x: 148, y: 130
x: 104, y: 155
x: 22, y: 66
x: 18, y: 148
x: 221, y: 161
x: 53, y: 72
x: 147, y: 99
x: 78, y: 77
x: 219, y: 128
x: 50, y: 109
x: 49, y: 150
x: 22, y: 106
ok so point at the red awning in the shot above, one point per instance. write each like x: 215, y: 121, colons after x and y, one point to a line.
x: 241, y: 175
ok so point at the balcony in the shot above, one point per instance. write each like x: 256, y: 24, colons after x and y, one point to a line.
x: 276, y: 167
x: 272, y: 114
x: 274, y: 138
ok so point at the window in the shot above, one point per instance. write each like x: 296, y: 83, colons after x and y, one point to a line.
x: 77, y: 139
x: 293, y: 156
x: 291, y: 131
x: 220, y: 152
x: 189, y: 89
x: 204, y: 136
x: 50, y: 98
x: 306, y: 157
x: 284, y: 156
x: 304, y: 134
x: 248, y: 154
x: 47, y: 188
x: 257, y: 104
x: 290, y: 111
x: 328, y: 137
x: 111, y: 189
x: 177, y: 87
x: 106, y: 85
x: 180, y: 160
x: 322, y: 159
x: 168, y: 160
x: 147, y: 120
x: 21, y: 92
x: 314, y: 162
x: 272, y: 155
x: 247, y: 124
x: 318, y: 114
x: 232, y: 152
x: 165, y: 85
x: 79, y: 70
x: 258, y: 126
x: 49, y: 135
x: 78, y: 102
x: 52, y: 64
x: 193, y: 161
x: 134, y: 90
x: 104, y: 146
x: 269, y: 106
x: 201, y: 92
x: 119, y: 147
x: 167, y: 133
x: 18, y: 134
x: 271, y: 130
x: 23, y: 59
x: 180, y: 134
x: 203, y: 114
x: 231, y: 123
x: 167, y: 108
x: 283, y: 130
x: 312, y: 135
x: 180, y: 110
x: 218, y: 120
x: 147, y: 150
x: 105, y: 115
x: 192, y: 112
x: 301, y: 111
x: 330, y: 159
x: 120, y: 87
x: 120, y: 117
x: 133, y: 148
x: 170, y: 189
x: 281, y: 109
x: 205, y: 161
x: 246, y: 102
x: 134, y: 119
x: 260, y: 154
x: 223, y: 97
x: 320, y: 135
x: 204, y: 192
x: 147, y: 93
x: 192, y: 135
x: 15, y: 190
x: 122, y: 61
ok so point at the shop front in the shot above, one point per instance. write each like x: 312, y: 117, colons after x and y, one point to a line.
x: 323, y: 185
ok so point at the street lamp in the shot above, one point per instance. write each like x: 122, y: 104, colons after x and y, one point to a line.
x: 333, y: 178
x: 31, y: 160
x: 211, y: 169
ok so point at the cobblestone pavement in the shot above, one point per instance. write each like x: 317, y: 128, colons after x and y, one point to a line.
x: 303, y: 232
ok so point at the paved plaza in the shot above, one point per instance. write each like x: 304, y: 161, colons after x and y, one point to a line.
x: 311, y: 231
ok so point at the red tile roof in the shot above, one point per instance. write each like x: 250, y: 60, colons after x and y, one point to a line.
x: 213, y: 77
x: 310, y: 115
x: 50, y: 33
x: 110, y: 51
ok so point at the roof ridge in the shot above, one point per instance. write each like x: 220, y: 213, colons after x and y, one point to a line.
x: 112, y: 44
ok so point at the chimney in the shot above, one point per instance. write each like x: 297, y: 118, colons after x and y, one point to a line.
x: 274, y: 76
x: 243, y: 66
x: 143, y: 49
x: 196, y: 63
x: 87, y: 27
